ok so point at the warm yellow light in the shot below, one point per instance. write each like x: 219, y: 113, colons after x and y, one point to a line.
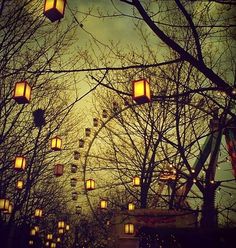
x: 136, y: 181
x: 36, y: 228
x: 58, y: 240
x: 33, y: 232
x: 9, y: 210
x: 58, y: 170
x: 20, y: 163
x: 131, y: 206
x: 38, y: 212
x: 60, y: 231
x: 90, y: 184
x: 103, y: 204
x: 141, y: 91
x: 22, y: 92
x: 56, y: 143
x: 4, y: 204
x: 49, y: 236
x: 47, y: 243
x: 67, y: 227
x: 19, y: 184
x: 129, y: 228
x: 31, y: 242
x: 54, y: 9
x: 61, y: 224
x: 53, y: 245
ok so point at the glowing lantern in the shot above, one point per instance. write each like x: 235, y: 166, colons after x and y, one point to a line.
x: 49, y: 236
x: 90, y: 184
x: 104, y: 114
x: 61, y: 224
x: 103, y: 204
x: 4, y: 204
x: 81, y: 143
x: 31, y: 242
x: 36, y: 228
x: 73, y: 182
x: 58, y: 240
x: 53, y: 245
x: 73, y: 168
x: 129, y: 228
x: 95, y: 122
x: 33, y: 232
x: 60, y: 231
x: 141, y: 91
x: 76, y: 155
x: 67, y: 227
x: 131, y: 206
x: 38, y: 212
x: 56, y: 144
x: 20, y: 163
x: 87, y: 132
x: 22, y: 92
x: 74, y: 196
x: 136, y: 181
x: 54, y: 9
x: 19, y: 184
x: 9, y: 210
x: 58, y: 170
x: 47, y: 243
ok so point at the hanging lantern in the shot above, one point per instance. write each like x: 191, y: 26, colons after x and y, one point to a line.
x: 67, y: 227
x: 73, y: 182
x: 78, y: 210
x: 141, y: 91
x: 87, y: 132
x: 33, y: 232
x: 31, y: 242
x: 56, y: 143
x: 104, y: 114
x: 129, y: 228
x: 38, y: 212
x: 22, y: 92
x: 95, y: 122
x: 49, y: 236
x: 103, y: 204
x: 53, y: 245
x: 20, y: 184
x: 90, y: 184
x: 136, y: 181
x: 131, y: 206
x: 36, y: 228
x: 9, y: 210
x: 61, y: 224
x: 19, y: 163
x: 81, y: 143
x: 47, y: 243
x: 74, y: 196
x: 58, y: 170
x: 58, y: 240
x: 4, y: 204
x: 73, y: 168
x: 60, y: 231
x: 54, y: 9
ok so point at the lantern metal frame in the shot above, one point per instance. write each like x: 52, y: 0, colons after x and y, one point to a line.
x: 56, y: 143
x: 24, y: 96
x: 136, y: 181
x: 19, y: 163
x: 4, y: 204
x: 53, y: 14
x: 38, y: 213
x: 20, y: 184
x: 90, y: 184
x: 146, y: 96
x: 129, y: 228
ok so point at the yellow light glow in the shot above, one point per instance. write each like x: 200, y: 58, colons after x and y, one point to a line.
x: 19, y: 184
x: 141, y: 91
x: 136, y: 181
x: 58, y: 239
x: 54, y: 9
x: 31, y: 242
x: 58, y: 170
x: 53, y: 245
x: 56, y: 143
x: 49, y: 4
x: 33, y: 232
x: 49, y: 236
x: 61, y: 224
x: 20, y: 163
x: 22, y: 92
x: 103, y: 204
x: 36, y: 228
x: 4, y: 204
x: 67, y: 227
x: 60, y: 231
x: 90, y: 184
x: 38, y: 212
x: 129, y: 228
x: 131, y: 206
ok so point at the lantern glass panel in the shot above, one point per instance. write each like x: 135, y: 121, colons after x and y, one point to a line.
x: 49, y: 4
x: 38, y: 212
x: 4, y: 204
x: 60, y: 230
x: 90, y: 184
x: 136, y: 181
x: 131, y: 206
x: 67, y: 227
x: 33, y: 232
x: 56, y: 144
x: 61, y: 224
x: 49, y: 236
x: 20, y: 163
x: 19, y: 184
x: 22, y: 92
x: 60, y: 5
x: 103, y: 204
x: 141, y: 91
x: 129, y: 228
